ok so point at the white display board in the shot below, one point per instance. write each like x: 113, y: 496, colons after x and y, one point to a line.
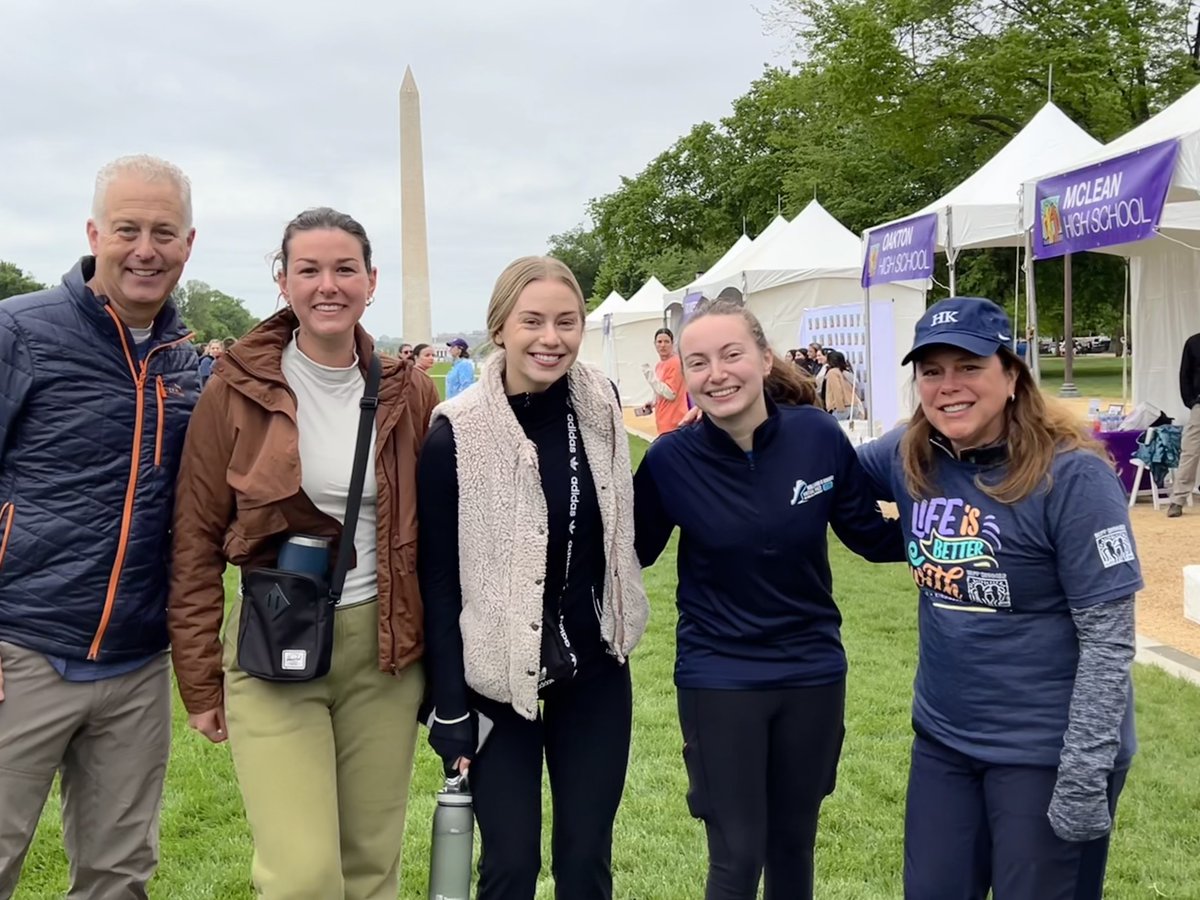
x: 843, y: 328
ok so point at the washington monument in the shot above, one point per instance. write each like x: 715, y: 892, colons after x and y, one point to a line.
x: 414, y: 246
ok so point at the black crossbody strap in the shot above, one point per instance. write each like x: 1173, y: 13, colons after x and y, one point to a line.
x: 366, y: 421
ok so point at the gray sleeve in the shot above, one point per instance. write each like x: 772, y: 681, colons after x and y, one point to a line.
x: 1106, y: 649
x: 1098, y: 703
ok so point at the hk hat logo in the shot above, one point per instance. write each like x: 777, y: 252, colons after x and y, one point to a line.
x: 949, y: 317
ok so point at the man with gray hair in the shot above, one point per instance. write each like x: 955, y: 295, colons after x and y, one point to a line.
x: 97, y: 381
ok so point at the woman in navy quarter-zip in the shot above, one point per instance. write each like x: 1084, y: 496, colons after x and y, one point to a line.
x: 760, y: 670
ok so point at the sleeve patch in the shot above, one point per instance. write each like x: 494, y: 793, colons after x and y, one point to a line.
x: 1114, y: 546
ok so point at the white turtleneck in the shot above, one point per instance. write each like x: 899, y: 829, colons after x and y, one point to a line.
x: 327, y: 413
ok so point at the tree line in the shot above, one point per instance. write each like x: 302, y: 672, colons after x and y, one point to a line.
x: 211, y: 314
x: 889, y: 104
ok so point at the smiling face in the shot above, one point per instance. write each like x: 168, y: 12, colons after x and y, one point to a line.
x: 140, y: 244
x: 964, y: 396
x: 724, y: 370
x: 541, y: 336
x: 327, y: 283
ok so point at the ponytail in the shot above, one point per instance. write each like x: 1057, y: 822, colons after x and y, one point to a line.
x: 790, y: 386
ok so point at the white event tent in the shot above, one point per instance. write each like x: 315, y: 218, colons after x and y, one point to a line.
x: 628, y: 341
x: 1164, y: 269
x: 592, y: 349
x: 728, y: 263
x: 735, y: 248
x: 984, y: 210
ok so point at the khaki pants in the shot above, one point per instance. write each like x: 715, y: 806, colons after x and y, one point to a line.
x: 110, y: 739
x: 324, y: 767
x: 1189, y: 456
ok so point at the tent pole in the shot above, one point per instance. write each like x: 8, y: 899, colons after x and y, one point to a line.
x: 1031, y: 316
x: 1125, y: 339
x: 1016, y: 336
x: 1068, y: 388
x: 951, y: 253
x: 870, y: 392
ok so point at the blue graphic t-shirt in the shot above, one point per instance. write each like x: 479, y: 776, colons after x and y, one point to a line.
x: 998, y: 581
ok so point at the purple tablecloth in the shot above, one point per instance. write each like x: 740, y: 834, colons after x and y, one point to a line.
x: 1122, y: 445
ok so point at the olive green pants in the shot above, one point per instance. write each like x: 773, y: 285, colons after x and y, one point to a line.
x: 324, y: 767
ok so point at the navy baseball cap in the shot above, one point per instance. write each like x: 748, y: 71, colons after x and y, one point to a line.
x: 973, y: 324
x: 459, y: 343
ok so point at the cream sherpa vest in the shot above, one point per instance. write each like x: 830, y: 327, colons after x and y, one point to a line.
x: 502, y: 531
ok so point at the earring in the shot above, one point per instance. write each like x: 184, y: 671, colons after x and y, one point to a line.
x: 1012, y: 398
x: 370, y: 300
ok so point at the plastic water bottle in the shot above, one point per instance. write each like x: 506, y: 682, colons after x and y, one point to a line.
x: 452, y: 848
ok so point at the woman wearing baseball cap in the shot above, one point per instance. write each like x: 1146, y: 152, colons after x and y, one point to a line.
x: 1019, y: 541
x: 462, y: 374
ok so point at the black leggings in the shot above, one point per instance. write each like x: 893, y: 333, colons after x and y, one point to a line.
x: 584, y: 730
x: 759, y: 764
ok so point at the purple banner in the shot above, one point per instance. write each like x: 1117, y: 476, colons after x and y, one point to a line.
x: 902, y: 251
x: 1117, y: 201
x: 690, y: 302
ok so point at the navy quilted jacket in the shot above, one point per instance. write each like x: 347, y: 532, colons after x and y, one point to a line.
x: 90, y: 438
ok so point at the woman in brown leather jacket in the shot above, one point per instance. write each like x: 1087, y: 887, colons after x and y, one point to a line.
x: 323, y: 765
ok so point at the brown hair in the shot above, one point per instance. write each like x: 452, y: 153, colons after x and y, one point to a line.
x: 322, y: 218
x: 517, y: 276
x: 784, y: 383
x: 1034, y: 430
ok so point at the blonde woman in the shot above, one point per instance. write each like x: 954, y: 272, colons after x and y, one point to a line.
x: 1019, y: 542
x: 533, y: 593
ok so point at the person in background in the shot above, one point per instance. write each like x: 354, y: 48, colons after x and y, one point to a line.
x: 212, y: 352
x: 323, y: 765
x: 97, y: 381
x: 790, y: 356
x: 1189, y: 444
x: 423, y: 357
x: 670, y: 403
x: 462, y: 374
x: 1020, y: 544
x: 814, y: 354
x: 406, y: 351
x: 760, y: 670
x: 533, y: 593
x: 820, y: 362
x: 839, y: 390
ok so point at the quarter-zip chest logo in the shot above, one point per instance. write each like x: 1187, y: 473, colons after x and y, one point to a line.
x: 802, y: 491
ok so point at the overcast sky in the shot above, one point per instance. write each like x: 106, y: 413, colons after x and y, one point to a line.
x: 529, y: 108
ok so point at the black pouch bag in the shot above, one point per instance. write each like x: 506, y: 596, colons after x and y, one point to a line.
x: 286, y: 628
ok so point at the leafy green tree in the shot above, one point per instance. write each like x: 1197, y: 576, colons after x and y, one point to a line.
x: 580, y: 249
x: 892, y: 104
x: 13, y: 281
x: 212, y: 314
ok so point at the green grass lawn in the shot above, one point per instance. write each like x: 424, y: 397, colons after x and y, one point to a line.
x: 438, y: 374
x: 1095, y: 376
x: 659, y: 851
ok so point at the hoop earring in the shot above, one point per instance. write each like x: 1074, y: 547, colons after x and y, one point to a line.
x: 1012, y: 398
